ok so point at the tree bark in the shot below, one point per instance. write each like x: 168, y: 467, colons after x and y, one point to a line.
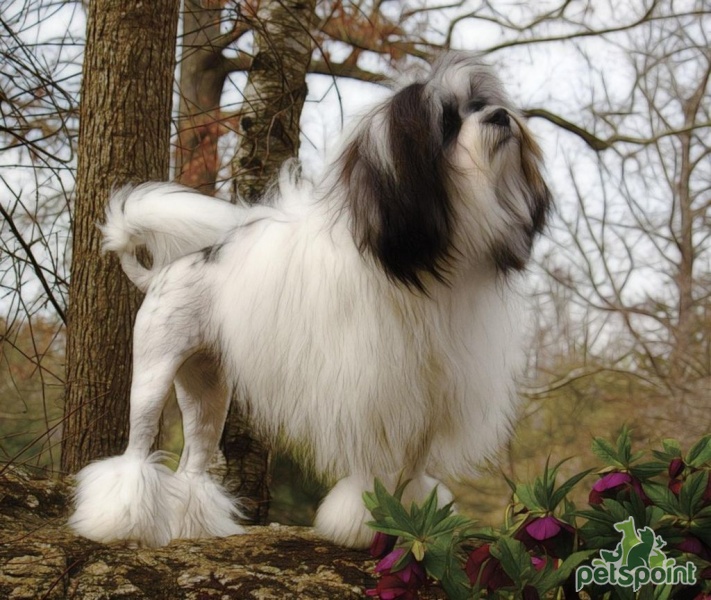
x: 682, y: 366
x: 40, y: 558
x: 269, y: 126
x: 123, y: 136
x: 203, y: 69
x: 275, y: 94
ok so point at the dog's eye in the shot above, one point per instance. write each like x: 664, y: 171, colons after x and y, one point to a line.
x: 476, y: 106
x: 451, y: 122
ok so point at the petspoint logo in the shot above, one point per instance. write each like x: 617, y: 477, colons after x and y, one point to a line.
x: 637, y: 560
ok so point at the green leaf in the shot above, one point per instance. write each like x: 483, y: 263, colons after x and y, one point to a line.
x: 402, y: 561
x: 397, y: 494
x: 525, y: 494
x: 606, y: 452
x: 390, y: 529
x: 443, y: 564
x: 540, y: 493
x: 701, y: 528
x: 393, y: 509
x: 486, y: 534
x: 556, y: 577
x: 671, y: 446
x: 566, y: 488
x: 435, y: 559
x: 663, y: 592
x: 646, y: 592
x: 646, y: 470
x: 700, y: 453
x: 692, y: 493
x: 662, y: 497
x: 456, y: 584
x: 418, y: 550
x: 450, y: 525
x: 624, y: 446
x: 574, y: 560
x: 430, y: 514
x: 370, y: 501
x: 514, y: 558
x: 511, y: 483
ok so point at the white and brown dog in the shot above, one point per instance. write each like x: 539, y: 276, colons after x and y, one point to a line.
x: 369, y: 319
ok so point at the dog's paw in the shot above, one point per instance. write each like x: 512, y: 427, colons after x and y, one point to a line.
x: 205, y: 509
x: 420, y: 487
x: 124, y: 498
x: 342, y: 516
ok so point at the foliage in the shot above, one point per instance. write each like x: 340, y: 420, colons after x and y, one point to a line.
x: 31, y: 384
x: 545, y: 537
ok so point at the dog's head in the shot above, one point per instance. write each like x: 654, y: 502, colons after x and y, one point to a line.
x: 445, y: 173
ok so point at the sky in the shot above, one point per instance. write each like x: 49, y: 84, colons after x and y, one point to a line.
x: 564, y: 77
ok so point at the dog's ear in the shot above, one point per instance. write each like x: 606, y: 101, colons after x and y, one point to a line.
x: 538, y: 196
x: 524, y: 194
x: 395, y: 186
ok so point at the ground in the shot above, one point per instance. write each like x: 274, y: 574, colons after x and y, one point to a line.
x: 40, y: 558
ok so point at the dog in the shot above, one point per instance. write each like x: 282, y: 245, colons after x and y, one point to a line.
x: 368, y: 321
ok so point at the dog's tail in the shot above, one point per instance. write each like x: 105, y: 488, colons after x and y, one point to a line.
x: 169, y: 220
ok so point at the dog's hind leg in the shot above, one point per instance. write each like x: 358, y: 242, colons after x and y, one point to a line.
x: 134, y: 496
x: 203, y: 397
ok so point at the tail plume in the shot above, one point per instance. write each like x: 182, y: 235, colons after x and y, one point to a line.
x: 169, y: 220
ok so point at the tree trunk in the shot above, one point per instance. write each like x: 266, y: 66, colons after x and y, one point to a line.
x: 682, y: 366
x: 123, y: 136
x: 203, y: 69
x: 269, y: 126
x: 275, y: 94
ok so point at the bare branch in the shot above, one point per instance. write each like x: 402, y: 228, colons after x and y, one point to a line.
x: 598, y: 144
x: 35, y: 264
x: 349, y: 71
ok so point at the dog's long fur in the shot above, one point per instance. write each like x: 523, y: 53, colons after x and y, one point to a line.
x: 370, y: 319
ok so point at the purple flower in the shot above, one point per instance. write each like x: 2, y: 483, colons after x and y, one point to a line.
x: 403, y: 584
x: 539, y: 562
x: 530, y: 593
x: 611, y: 484
x: 676, y: 466
x: 707, y: 492
x: 382, y: 544
x: 483, y: 568
x: 674, y: 486
x: 693, y: 545
x: 675, y: 483
x: 387, y: 563
x: 547, y: 534
x: 391, y: 586
x: 543, y: 528
x: 608, y: 484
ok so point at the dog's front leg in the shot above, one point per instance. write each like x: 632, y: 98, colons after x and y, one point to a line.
x: 342, y: 516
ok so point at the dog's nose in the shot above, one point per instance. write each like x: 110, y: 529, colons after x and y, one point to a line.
x: 499, y: 117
